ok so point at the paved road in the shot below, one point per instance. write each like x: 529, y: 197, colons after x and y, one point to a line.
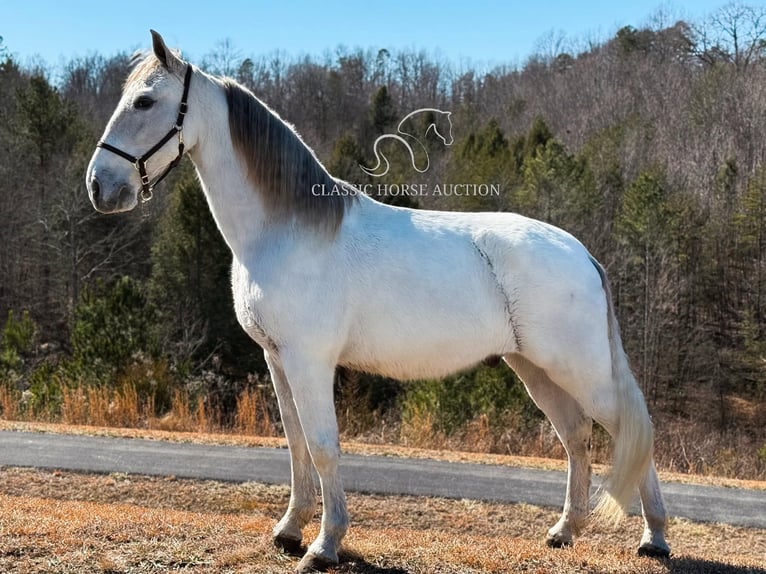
x: 369, y: 474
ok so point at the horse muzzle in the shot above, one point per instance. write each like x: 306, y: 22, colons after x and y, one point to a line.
x: 109, y: 196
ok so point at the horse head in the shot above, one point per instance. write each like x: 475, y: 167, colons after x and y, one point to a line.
x: 136, y: 150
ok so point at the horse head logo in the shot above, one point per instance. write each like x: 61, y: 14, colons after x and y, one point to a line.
x: 439, y: 121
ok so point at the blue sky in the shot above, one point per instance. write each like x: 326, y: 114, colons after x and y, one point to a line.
x: 471, y: 32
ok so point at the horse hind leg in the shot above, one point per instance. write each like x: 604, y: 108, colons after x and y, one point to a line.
x: 653, y: 542
x: 573, y: 428
x: 619, y: 407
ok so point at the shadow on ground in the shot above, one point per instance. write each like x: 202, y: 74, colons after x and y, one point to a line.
x: 352, y: 563
x: 695, y: 566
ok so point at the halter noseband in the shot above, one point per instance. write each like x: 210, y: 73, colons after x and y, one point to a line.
x: 140, y: 162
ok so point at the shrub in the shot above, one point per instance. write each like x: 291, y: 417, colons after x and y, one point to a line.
x: 115, y: 374
x: 44, y: 393
x: 363, y: 402
x: 112, y: 323
x: 17, y: 340
x: 761, y: 458
x: 151, y: 379
x: 486, y: 394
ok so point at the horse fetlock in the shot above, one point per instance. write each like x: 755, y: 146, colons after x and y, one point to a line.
x: 287, y: 534
x: 336, y: 530
x: 299, y: 512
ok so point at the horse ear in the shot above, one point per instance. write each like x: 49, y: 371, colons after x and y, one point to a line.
x: 165, y: 55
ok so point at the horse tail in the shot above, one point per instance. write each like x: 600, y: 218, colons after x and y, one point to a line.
x: 634, y: 437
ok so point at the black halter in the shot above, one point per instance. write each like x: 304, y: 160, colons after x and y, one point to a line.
x: 140, y: 162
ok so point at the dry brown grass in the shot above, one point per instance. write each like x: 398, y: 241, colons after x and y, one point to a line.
x: 74, y: 406
x: 127, y: 406
x: 101, y: 406
x: 252, y: 416
x: 98, y: 406
x: 179, y: 418
x: 9, y: 402
x: 57, y: 522
x: 123, y: 407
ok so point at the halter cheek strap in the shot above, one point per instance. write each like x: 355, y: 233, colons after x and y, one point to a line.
x: 139, y: 163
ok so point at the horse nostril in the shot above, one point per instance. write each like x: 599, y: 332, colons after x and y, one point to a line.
x: 95, y: 188
x: 124, y: 195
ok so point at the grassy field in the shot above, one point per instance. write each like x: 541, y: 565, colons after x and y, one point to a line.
x: 64, y: 522
x: 60, y: 522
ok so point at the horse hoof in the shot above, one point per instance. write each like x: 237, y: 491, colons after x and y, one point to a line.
x: 288, y: 545
x: 653, y: 551
x: 313, y: 563
x: 558, y: 542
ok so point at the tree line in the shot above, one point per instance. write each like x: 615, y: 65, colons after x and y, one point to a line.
x: 649, y: 146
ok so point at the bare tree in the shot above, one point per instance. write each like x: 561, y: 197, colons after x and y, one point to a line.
x: 551, y: 45
x: 225, y: 59
x: 735, y: 34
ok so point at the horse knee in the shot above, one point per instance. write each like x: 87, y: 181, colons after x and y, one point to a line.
x: 325, y: 456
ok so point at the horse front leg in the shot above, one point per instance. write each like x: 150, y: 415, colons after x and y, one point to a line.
x: 288, y: 533
x: 311, y: 383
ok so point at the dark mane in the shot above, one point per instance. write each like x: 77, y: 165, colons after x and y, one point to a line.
x: 280, y: 165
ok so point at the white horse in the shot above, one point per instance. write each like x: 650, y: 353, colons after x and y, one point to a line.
x: 450, y: 290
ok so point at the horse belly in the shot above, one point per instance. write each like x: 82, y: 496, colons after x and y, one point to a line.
x: 423, y: 341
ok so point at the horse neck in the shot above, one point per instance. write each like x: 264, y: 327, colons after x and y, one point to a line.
x: 235, y: 205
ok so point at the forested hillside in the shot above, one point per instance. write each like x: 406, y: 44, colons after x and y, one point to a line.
x: 650, y: 147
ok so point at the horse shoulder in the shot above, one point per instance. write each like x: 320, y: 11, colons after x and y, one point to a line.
x: 290, y: 293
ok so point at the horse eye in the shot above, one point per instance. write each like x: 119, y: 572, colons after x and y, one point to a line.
x: 143, y: 103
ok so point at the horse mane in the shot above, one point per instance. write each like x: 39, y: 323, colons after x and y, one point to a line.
x: 142, y: 66
x: 279, y: 164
